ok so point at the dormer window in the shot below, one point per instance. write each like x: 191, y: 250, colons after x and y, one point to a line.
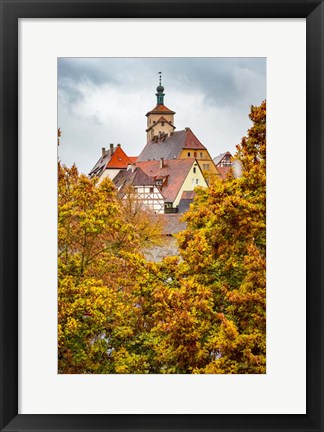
x: 161, y: 180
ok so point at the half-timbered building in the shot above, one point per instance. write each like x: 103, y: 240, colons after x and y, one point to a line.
x: 140, y: 187
x: 223, y: 163
x: 173, y: 178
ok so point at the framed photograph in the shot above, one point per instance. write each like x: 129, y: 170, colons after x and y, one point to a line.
x: 115, y: 331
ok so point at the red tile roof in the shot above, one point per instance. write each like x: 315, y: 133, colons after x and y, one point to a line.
x: 176, y: 170
x: 188, y: 195
x: 160, y: 109
x: 118, y: 160
x: 191, y: 141
x: 223, y: 171
x: 171, y: 146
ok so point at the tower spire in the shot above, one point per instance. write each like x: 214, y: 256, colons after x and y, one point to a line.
x: 160, y: 90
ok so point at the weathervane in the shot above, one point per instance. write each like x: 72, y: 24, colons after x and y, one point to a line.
x: 160, y: 77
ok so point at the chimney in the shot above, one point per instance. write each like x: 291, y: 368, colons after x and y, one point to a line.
x: 111, y: 149
x: 118, y: 145
x: 162, y: 163
x: 103, y: 151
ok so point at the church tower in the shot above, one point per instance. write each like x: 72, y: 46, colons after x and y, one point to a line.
x: 160, y: 120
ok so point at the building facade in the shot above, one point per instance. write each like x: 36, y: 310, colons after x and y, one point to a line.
x: 164, y: 142
x: 169, y: 168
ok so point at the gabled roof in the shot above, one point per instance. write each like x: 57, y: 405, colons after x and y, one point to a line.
x: 171, y: 146
x: 219, y: 158
x: 188, y: 195
x: 160, y: 109
x: 223, y: 171
x: 176, y: 170
x: 117, y: 160
x: 126, y: 178
x: 161, y: 119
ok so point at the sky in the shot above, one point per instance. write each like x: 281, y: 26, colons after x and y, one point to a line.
x: 104, y: 100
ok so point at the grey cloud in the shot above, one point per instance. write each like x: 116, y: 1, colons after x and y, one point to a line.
x: 82, y: 70
x: 224, y: 86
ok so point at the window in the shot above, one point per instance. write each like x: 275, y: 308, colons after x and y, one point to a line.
x: 162, y: 123
x: 206, y: 167
x: 194, y: 170
x: 201, y: 155
x: 192, y: 181
x: 195, y: 154
x: 151, y: 190
x: 189, y: 154
x: 197, y: 181
x: 153, y: 121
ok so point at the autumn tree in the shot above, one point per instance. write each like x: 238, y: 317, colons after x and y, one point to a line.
x: 200, y: 312
x: 224, y: 248
x: 148, y: 225
x: 98, y: 311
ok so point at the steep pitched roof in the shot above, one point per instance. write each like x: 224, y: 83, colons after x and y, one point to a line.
x: 188, y: 195
x: 218, y: 158
x: 223, y: 171
x: 171, y: 146
x: 160, y: 109
x: 117, y: 160
x: 161, y: 120
x: 176, y: 172
x: 126, y: 178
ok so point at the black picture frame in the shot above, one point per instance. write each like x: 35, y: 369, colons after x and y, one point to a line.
x: 11, y: 11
